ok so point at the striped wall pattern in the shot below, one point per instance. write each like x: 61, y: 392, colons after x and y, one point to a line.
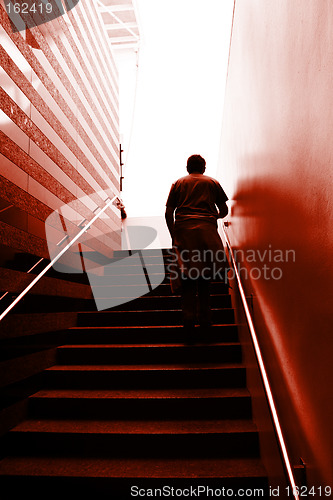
x: 59, y: 139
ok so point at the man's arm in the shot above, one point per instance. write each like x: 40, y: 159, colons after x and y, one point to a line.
x: 221, y: 199
x: 223, y: 211
x: 169, y: 219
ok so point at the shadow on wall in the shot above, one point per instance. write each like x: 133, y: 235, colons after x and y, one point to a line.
x: 283, y: 223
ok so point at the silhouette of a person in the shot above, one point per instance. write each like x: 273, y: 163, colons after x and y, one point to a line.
x: 194, y: 204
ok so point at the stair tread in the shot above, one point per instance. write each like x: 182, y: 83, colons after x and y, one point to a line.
x: 142, y: 393
x: 146, y: 367
x: 172, y: 297
x: 148, y: 311
x: 163, y: 284
x: 136, y: 426
x: 143, y: 327
x: 140, y: 346
x: 126, y: 468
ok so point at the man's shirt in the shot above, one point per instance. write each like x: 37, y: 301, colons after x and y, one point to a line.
x: 195, y: 196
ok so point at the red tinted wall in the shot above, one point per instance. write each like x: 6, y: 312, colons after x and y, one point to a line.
x: 59, y: 126
x: 276, y: 167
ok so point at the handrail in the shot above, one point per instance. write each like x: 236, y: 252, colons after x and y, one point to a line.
x: 263, y: 372
x: 56, y: 258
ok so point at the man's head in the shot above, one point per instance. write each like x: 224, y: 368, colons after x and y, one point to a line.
x: 196, y: 164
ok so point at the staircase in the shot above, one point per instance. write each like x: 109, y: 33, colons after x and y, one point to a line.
x: 129, y: 404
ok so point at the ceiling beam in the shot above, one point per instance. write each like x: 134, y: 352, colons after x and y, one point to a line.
x: 115, y: 26
x: 121, y: 23
x: 121, y: 46
x: 122, y: 39
x: 114, y: 8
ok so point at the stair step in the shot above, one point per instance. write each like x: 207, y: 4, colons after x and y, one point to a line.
x: 126, y: 404
x: 120, y: 268
x: 164, y: 289
x: 50, y: 304
x: 131, y: 468
x: 129, y: 427
x: 159, y: 302
x: 147, y: 334
x: 147, y: 354
x: 153, y: 317
x: 136, y: 439
x: 148, y: 256
x: 168, y: 375
x: 146, y: 252
x: 124, y: 479
x: 138, y: 278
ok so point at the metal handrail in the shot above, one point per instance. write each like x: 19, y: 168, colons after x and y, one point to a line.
x: 263, y: 373
x: 56, y: 258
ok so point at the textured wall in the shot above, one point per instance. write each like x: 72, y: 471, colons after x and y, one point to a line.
x: 58, y: 126
x: 276, y: 166
x: 59, y: 146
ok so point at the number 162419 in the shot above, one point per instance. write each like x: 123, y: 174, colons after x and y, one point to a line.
x: 305, y: 491
x: 25, y: 8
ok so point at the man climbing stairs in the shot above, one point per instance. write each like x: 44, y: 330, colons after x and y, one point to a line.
x: 129, y: 408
